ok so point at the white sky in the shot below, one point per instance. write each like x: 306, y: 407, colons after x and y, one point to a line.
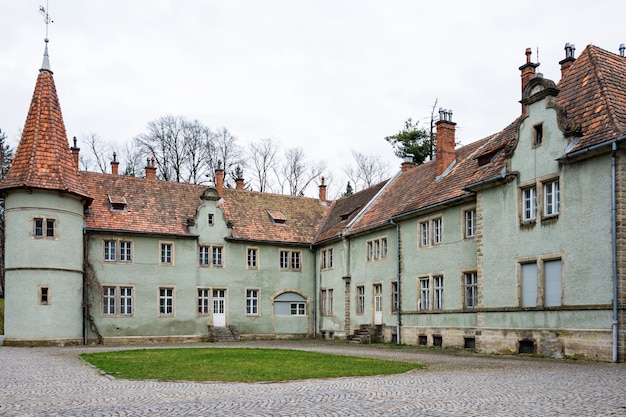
x: 326, y: 75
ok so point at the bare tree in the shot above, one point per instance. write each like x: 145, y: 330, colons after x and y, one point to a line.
x: 164, y: 142
x: 297, y: 172
x: 223, y: 148
x: 134, y: 162
x: 94, y: 157
x: 263, y: 156
x: 366, y: 170
x: 197, y: 139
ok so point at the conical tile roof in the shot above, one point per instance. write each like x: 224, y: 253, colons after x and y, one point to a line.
x: 43, y: 158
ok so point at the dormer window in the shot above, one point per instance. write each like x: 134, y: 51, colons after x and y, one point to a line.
x: 278, y: 218
x: 347, y: 215
x: 537, y: 135
x: 118, y: 203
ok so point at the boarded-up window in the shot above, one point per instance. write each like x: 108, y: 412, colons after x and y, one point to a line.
x: 529, y: 285
x: 553, y: 279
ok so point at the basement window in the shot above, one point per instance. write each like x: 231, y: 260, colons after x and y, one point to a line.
x: 437, y: 340
x: 526, y: 347
x: 469, y: 343
x: 118, y: 203
x: 422, y: 340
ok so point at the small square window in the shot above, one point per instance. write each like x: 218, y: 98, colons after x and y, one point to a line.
x: 211, y: 219
x: 253, y: 258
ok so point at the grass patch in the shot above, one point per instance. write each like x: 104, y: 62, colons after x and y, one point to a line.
x: 237, y: 364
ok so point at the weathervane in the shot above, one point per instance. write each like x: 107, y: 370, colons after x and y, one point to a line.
x: 46, y: 17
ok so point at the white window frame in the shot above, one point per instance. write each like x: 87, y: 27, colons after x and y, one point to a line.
x: 470, y: 223
x: 327, y: 301
x: 118, y: 251
x: 126, y: 251
x: 425, y: 293
x: 395, y: 296
x: 110, y: 250
x: 44, y: 227
x: 290, y: 260
x: 217, y: 256
x: 377, y: 249
x: 118, y: 301
x: 297, y: 308
x: 327, y: 258
x: 438, y: 292
x: 166, y: 259
x: 167, y: 301
x: 252, y: 258
x: 470, y: 290
x: 551, y: 198
x: 203, y: 301
x: 529, y: 203
x: 437, y: 231
x: 360, y: 299
x: 252, y: 302
x: 424, y: 234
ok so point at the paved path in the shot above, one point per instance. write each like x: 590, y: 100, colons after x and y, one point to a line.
x: 55, y: 382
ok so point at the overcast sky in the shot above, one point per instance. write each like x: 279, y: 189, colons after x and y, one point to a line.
x: 328, y: 76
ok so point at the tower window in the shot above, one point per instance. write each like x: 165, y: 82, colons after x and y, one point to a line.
x: 44, y: 228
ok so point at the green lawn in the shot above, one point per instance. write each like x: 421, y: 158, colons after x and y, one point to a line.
x: 237, y: 364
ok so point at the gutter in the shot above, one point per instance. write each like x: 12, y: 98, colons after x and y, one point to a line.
x: 588, y: 149
x: 399, y: 277
x: 614, y: 246
x: 431, y: 207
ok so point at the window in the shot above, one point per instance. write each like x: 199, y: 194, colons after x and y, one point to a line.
x: 113, y: 252
x: 360, y: 299
x: 470, y: 223
x: 217, y: 256
x: 203, y: 255
x: 297, y: 309
x: 437, y: 231
x: 541, y: 286
x: 252, y: 302
x: 166, y: 301
x: 431, y: 232
x: 117, y: 301
x: 327, y: 258
x: 253, y: 258
x: 167, y: 253
x: 327, y: 302
x: 395, y: 297
x: 110, y: 250
x: 551, y: 198
x: 424, y: 301
x: 44, y: 296
x: 290, y: 260
x: 377, y: 249
x: 529, y: 204
x: 471, y: 289
x: 438, y: 295
x: 210, y: 219
x: 203, y: 301
x: 44, y: 228
x: 537, y: 135
x: 425, y: 234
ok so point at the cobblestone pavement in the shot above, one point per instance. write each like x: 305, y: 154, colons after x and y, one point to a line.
x: 56, y: 382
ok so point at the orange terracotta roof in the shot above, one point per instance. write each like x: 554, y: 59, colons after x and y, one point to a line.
x: 152, y: 206
x: 43, y: 159
x: 344, y: 210
x: 593, y: 93
x: 249, y: 214
x: 418, y: 188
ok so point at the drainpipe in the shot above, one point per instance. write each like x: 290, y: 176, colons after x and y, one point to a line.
x: 614, y: 246
x: 398, y: 277
x: 85, y: 290
x: 315, y: 323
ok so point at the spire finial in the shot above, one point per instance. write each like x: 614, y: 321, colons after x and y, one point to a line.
x: 45, y: 66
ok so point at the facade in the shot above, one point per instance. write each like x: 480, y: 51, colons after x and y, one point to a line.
x: 515, y: 243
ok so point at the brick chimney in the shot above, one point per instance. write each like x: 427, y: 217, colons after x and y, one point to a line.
x: 445, y: 154
x: 114, y: 165
x: 407, y: 163
x: 150, y: 169
x: 570, y: 49
x: 219, y: 179
x: 528, y: 72
x: 75, y: 151
x: 239, y: 179
x: 323, y: 191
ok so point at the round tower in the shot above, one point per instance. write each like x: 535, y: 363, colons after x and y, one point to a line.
x: 44, y: 217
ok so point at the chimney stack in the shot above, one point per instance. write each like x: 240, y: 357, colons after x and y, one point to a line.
x: 114, y: 165
x: 566, y: 63
x: 528, y: 72
x: 407, y: 162
x: 622, y: 48
x: 239, y: 179
x: 445, y: 153
x: 323, y: 191
x: 75, y: 151
x: 219, y: 179
x: 150, y: 169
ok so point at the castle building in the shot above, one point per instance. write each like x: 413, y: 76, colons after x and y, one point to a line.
x: 515, y: 243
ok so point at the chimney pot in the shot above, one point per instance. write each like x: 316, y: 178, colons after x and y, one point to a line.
x: 150, y: 169
x: 323, y: 190
x: 622, y: 48
x: 528, y: 71
x: 239, y: 179
x: 219, y: 179
x: 114, y: 165
x: 75, y: 153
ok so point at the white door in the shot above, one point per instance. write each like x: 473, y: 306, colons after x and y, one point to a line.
x: 219, y: 308
x: 378, y: 304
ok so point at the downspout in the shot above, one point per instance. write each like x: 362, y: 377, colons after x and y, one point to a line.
x: 85, y: 290
x: 398, y: 277
x: 614, y: 246
x: 315, y: 323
